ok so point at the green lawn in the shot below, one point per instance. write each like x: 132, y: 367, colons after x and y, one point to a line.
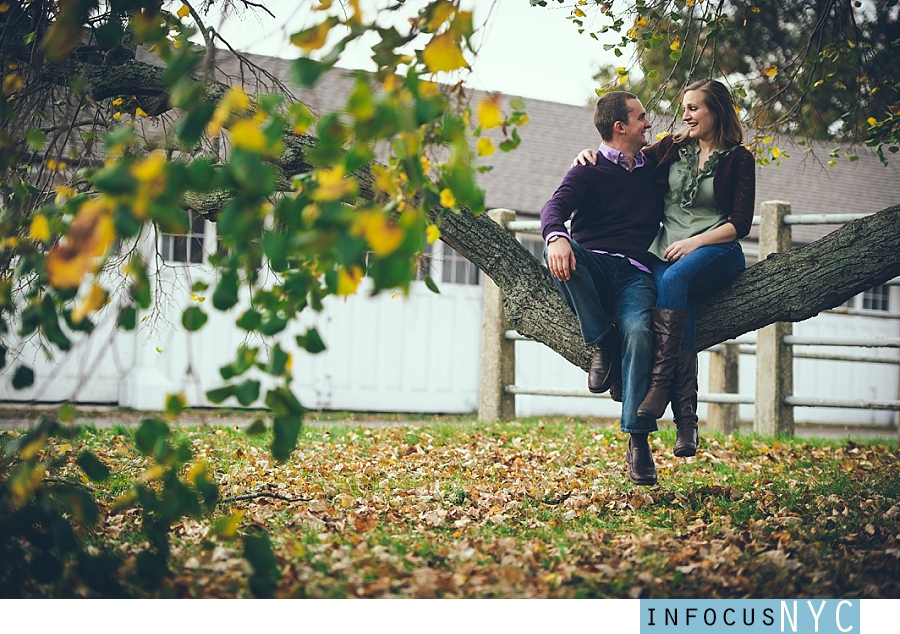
x: 538, y: 508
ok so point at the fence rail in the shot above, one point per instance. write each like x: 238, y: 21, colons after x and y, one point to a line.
x: 773, y: 346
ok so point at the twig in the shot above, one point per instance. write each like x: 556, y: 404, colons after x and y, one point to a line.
x: 73, y: 483
x: 262, y: 494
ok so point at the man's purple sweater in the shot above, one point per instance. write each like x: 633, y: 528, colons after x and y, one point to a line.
x: 612, y: 209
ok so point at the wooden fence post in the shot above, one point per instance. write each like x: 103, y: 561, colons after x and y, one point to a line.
x: 498, y: 354
x: 723, y: 379
x: 774, y: 359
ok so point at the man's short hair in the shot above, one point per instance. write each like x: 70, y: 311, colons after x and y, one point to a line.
x: 611, y: 107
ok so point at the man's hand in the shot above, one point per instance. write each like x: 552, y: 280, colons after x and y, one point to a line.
x: 585, y: 157
x: 560, y: 259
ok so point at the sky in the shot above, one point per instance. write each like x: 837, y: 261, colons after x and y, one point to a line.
x: 533, y: 52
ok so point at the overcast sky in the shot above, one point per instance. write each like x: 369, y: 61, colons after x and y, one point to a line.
x: 529, y: 51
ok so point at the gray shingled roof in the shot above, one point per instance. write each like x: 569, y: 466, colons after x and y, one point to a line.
x: 523, y: 180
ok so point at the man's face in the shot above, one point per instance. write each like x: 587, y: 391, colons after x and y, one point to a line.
x: 637, y: 125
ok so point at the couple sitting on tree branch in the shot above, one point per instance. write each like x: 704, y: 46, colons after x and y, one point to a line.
x: 652, y: 228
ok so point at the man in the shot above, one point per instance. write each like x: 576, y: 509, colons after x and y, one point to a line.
x: 600, y: 266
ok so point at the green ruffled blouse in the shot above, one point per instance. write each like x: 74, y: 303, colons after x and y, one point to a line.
x: 690, y: 207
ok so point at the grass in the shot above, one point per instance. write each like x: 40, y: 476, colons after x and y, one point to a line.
x: 536, y: 508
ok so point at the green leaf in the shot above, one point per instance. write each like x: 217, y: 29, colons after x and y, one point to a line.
x: 93, y: 468
x: 127, y: 317
x: 191, y: 127
x: 174, y: 405
x: 193, y: 318
x: 256, y: 428
x: 36, y: 139
x: 675, y: 56
x: 311, y: 341
x: 249, y: 320
x: 151, y: 432
x: 278, y: 360
x: 247, y: 392
x: 23, y: 377
x: 220, y: 394
x: 258, y: 551
x: 275, y: 247
x: 66, y: 413
x: 431, y: 285
x: 306, y: 72
x: 226, y: 294
x: 285, y: 431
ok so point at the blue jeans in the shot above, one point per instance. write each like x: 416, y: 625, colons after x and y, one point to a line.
x: 603, y: 290
x: 699, y: 272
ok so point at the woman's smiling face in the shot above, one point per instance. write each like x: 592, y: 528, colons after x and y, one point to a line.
x: 701, y: 122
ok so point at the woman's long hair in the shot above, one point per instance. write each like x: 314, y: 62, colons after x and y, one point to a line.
x: 717, y: 99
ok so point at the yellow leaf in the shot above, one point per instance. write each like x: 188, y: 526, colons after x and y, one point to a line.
x: 443, y: 53
x: 139, y: 112
x: 432, y: 234
x: 159, y: 350
x: 234, y: 100
x: 768, y: 139
x: 771, y: 71
x: 153, y: 473
x: 324, y: 5
x: 117, y: 115
x: 333, y: 185
x: 871, y: 120
x: 441, y: 12
x: 447, y: 198
x: 832, y: 163
x: 485, y: 146
x: 689, y: 3
x: 227, y: 526
x: 383, y: 179
x: 314, y: 38
x: 641, y: 21
x: 246, y: 135
x: 382, y: 235
x: 4, y: 7
x: 676, y: 45
x: 63, y: 193
x: 40, y: 228
x: 662, y: 135
x: 425, y: 163
x: 90, y: 236
x: 118, y: 101
x: 12, y: 83
x: 776, y: 152
x: 197, y: 298
x: 578, y: 12
x: 489, y: 113
x: 151, y: 167
x: 90, y: 303
x: 183, y: 12
x: 65, y: 447
x: 348, y: 281
x: 53, y: 164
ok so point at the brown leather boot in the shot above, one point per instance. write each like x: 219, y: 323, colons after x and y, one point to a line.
x: 668, y: 329
x: 605, y: 364
x: 684, y: 404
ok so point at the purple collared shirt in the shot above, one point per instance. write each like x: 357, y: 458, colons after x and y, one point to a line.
x: 618, y: 157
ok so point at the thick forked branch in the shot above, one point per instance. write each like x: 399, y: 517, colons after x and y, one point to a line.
x: 790, y: 286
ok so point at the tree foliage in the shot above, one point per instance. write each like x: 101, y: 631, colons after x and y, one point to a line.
x: 816, y: 69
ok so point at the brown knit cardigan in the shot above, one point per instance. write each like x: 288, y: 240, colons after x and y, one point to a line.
x: 734, y: 183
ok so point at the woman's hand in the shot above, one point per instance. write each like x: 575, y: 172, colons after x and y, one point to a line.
x: 681, y: 248
x: 585, y: 157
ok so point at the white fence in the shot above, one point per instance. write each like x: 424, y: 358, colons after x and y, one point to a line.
x: 774, y: 399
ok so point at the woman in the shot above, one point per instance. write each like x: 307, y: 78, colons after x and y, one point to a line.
x: 710, y: 184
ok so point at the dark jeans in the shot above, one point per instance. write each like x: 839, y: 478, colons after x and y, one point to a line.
x: 604, y: 289
x: 700, y: 272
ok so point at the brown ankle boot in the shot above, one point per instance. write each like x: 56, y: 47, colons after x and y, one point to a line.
x: 684, y: 404
x: 668, y: 329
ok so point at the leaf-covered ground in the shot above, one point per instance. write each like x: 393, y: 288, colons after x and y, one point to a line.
x: 526, y: 509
